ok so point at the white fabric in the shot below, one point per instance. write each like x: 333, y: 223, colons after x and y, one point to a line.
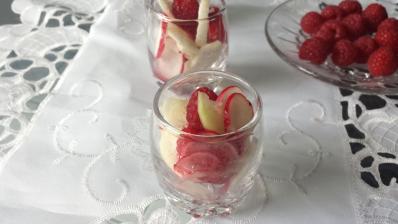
x: 86, y: 158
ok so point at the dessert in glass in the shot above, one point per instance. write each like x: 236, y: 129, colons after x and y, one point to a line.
x: 185, y: 36
x: 206, y: 141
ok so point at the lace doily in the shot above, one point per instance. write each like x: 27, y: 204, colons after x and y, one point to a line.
x: 371, y: 122
x: 34, y: 55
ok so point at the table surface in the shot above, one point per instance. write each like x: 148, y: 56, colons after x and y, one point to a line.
x: 81, y: 152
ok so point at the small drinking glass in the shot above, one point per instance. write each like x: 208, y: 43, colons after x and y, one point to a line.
x: 177, y: 45
x: 208, y: 190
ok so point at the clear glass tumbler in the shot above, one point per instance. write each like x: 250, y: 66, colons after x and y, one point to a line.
x: 204, y: 188
x: 182, y: 40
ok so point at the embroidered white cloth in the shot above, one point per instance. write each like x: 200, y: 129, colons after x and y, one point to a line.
x: 84, y: 157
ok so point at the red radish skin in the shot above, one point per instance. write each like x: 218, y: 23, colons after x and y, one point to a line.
x: 161, y: 40
x: 170, y: 63
x: 197, y: 162
x: 206, y: 162
x: 225, y: 93
x: 226, y: 152
x: 238, y: 111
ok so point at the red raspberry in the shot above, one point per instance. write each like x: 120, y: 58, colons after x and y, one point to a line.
x: 350, y: 6
x: 366, y: 46
x: 374, y: 14
x: 185, y: 9
x: 332, y: 26
x: 194, y: 124
x: 382, y: 62
x: 332, y: 12
x: 311, y: 22
x: 314, y: 50
x: 216, y: 26
x: 388, y: 24
x: 344, y: 53
x: 325, y: 34
x: 355, y: 24
x: 387, y: 38
x: 189, y: 27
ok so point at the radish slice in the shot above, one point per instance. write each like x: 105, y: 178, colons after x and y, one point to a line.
x: 208, y: 163
x: 224, y: 151
x: 206, y: 57
x: 197, y: 162
x: 203, y: 23
x: 160, y: 40
x: 223, y: 96
x: 171, y: 62
x: 184, y: 43
x: 165, y: 6
x: 238, y: 111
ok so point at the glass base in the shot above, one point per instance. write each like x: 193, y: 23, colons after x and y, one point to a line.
x: 254, y: 200
x: 198, y: 210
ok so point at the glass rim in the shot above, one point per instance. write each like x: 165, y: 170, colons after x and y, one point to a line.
x: 166, y: 18
x: 251, y: 124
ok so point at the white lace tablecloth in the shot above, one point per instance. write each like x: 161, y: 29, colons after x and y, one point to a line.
x: 79, y: 150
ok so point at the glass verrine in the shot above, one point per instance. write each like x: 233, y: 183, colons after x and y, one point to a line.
x: 198, y: 183
x: 179, y: 45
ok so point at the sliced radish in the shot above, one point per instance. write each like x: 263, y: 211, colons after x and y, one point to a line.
x: 238, y: 111
x: 184, y: 42
x: 209, y: 116
x: 203, y: 23
x: 165, y: 6
x: 197, y: 162
x: 206, y: 57
x: 224, y: 151
x: 161, y: 39
x: 171, y: 62
x: 225, y: 93
x: 206, y: 162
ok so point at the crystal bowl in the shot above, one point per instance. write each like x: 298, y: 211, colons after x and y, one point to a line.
x: 284, y: 35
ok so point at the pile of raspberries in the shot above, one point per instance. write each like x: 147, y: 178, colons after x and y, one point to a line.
x: 351, y: 35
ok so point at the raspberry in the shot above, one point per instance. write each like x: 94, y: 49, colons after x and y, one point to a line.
x: 185, y: 9
x: 332, y: 12
x: 314, y: 50
x: 366, y: 46
x: 355, y: 24
x: 350, y: 6
x: 374, y: 14
x: 388, y: 24
x: 336, y: 27
x: 387, y: 38
x: 194, y: 124
x: 189, y: 27
x: 216, y: 26
x: 344, y: 53
x: 311, y: 22
x: 325, y: 34
x: 183, y: 141
x: 382, y: 62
